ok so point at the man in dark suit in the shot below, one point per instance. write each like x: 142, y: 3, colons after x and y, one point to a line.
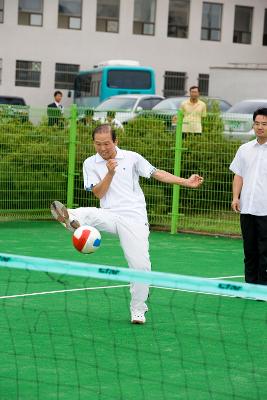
x: 55, y: 110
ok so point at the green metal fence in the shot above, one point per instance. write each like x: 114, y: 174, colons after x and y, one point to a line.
x: 41, y: 162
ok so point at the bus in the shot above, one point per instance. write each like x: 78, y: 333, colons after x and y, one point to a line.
x: 111, y: 78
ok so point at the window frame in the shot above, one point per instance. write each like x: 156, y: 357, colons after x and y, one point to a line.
x: 179, y: 28
x: 264, y: 36
x: 29, y: 13
x: 143, y: 24
x: 209, y: 29
x: 236, y: 34
x: 27, y: 71
x: 111, y: 24
x: 203, y: 80
x: 2, y: 13
x: 171, y: 76
x: 69, y: 17
x: 67, y: 84
x: 1, y: 69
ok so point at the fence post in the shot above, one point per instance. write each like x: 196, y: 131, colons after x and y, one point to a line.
x: 177, y: 171
x: 72, y: 155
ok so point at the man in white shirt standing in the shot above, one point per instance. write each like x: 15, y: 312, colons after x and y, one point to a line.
x: 113, y: 175
x: 250, y: 199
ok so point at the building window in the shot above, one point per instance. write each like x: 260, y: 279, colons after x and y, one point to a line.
x: 264, y: 41
x: 178, y: 18
x: 144, y: 17
x: 1, y: 11
x: 174, y: 83
x: 211, y: 21
x: 243, y: 24
x: 70, y: 14
x: 28, y: 73
x: 107, y: 16
x: 30, y: 12
x: 203, y: 84
x: 65, y: 75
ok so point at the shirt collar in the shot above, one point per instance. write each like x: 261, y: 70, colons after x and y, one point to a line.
x: 119, y: 155
x: 255, y: 142
x: 190, y: 102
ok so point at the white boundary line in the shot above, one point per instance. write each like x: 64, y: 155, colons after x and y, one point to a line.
x: 62, y: 291
x: 117, y: 286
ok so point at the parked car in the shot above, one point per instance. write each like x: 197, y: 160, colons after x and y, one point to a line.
x: 13, y: 107
x: 126, y: 107
x: 238, y: 119
x: 167, y: 109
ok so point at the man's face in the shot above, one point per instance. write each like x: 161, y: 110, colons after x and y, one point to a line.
x: 260, y: 127
x: 58, y: 98
x: 194, y: 94
x: 104, y: 145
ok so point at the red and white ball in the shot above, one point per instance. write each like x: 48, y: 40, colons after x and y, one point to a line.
x: 86, y: 239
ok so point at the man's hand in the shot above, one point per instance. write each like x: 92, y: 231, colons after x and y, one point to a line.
x: 111, y: 165
x: 102, y: 187
x: 194, y: 181
x: 236, y: 205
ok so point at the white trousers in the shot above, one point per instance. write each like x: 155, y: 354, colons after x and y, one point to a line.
x: 134, y: 242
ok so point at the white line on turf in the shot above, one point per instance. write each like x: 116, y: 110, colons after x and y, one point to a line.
x: 114, y: 287
x: 62, y: 291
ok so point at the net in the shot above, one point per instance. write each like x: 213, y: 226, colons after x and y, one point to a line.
x: 65, y: 334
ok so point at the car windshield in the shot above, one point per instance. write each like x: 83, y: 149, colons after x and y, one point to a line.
x: 12, y: 100
x: 247, y: 107
x: 117, y: 104
x: 170, y: 104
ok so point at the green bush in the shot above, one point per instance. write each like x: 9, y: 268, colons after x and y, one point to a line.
x: 209, y: 155
x: 34, y: 164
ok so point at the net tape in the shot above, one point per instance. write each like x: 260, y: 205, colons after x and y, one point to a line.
x: 107, y: 272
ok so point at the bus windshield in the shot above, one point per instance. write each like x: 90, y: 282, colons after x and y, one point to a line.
x: 129, y: 79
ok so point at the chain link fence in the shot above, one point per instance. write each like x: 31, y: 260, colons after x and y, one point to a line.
x: 42, y: 161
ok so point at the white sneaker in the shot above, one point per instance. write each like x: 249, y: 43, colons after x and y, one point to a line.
x: 60, y: 213
x: 138, y: 317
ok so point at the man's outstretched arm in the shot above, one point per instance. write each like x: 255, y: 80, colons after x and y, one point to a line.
x: 194, y: 181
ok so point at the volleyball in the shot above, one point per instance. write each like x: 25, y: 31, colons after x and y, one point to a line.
x: 86, y: 239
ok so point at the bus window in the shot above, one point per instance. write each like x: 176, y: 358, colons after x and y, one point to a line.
x: 82, y: 86
x: 129, y: 79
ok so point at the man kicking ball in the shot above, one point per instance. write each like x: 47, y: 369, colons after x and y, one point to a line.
x: 113, y: 175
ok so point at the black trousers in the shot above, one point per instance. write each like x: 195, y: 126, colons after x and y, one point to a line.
x: 254, y: 232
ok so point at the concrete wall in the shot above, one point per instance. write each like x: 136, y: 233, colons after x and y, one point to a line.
x: 235, y: 84
x: 86, y: 47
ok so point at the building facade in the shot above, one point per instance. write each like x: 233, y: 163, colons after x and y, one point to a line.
x: 44, y: 43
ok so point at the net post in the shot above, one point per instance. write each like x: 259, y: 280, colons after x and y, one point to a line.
x: 177, y: 172
x: 72, y: 153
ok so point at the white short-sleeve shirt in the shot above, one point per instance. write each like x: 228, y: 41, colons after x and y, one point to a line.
x: 124, y: 196
x: 250, y: 163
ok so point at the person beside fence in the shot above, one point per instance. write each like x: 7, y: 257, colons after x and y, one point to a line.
x: 112, y: 175
x: 250, y: 199
x: 55, y: 110
x: 112, y: 120
x: 194, y: 110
